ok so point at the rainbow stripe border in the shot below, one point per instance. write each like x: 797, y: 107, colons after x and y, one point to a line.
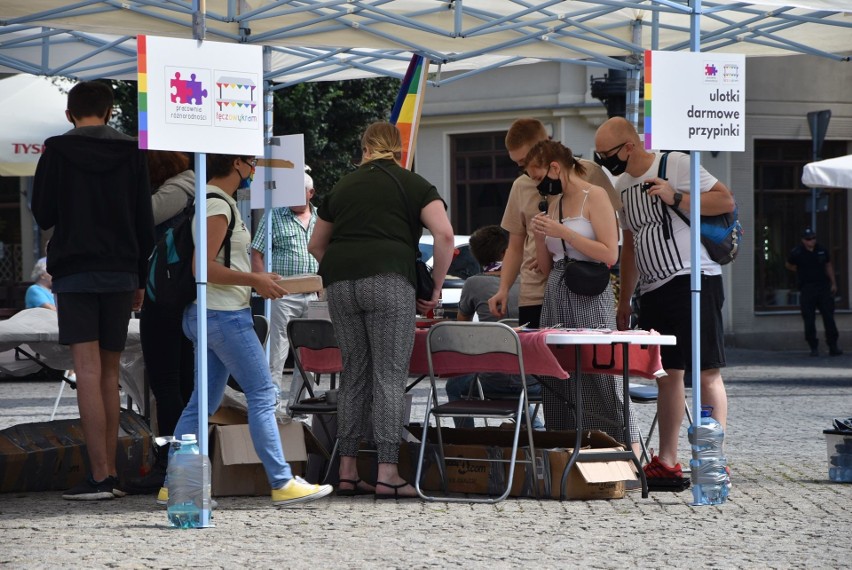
x: 142, y: 58
x: 648, y: 114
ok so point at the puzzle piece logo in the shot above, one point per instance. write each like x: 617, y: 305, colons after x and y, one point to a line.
x: 710, y: 70
x: 187, y: 92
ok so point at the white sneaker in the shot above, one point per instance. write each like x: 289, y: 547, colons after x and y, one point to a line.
x: 297, y: 490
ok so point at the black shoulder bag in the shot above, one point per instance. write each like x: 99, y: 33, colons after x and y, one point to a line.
x: 588, y: 278
x: 423, y: 275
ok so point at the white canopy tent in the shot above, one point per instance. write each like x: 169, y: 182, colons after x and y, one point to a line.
x: 329, y: 40
x: 337, y: 39
x: 32, y: 109
x: 829, y: 173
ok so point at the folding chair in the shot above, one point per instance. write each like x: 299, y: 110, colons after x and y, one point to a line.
x: 648, y: 394
x: 447, y: 339
x: 313, y: 334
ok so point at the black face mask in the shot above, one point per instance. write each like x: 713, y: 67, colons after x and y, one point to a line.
x: 549, y: 187
x: 612, y: 163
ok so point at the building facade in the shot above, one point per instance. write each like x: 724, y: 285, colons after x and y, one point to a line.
x: 460, y: 148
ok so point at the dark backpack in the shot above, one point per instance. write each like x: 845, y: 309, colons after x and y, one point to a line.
x: 721, y: 235
x: 170, y: 282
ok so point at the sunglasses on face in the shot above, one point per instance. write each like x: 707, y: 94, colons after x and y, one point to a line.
x: 250, y: 161
x: 608, y: 153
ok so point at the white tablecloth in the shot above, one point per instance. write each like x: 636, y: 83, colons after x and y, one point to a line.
x: 39, y: 330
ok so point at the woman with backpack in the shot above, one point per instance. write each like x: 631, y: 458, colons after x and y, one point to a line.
x: 233, y: 347
x: 168, y: 354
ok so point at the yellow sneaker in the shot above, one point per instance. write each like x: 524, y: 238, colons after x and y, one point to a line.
x: 297, y: 490
x: 163, y: 496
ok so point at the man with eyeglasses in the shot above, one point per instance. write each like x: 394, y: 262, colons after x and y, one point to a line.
x: 655, y: 256
x: 292, y: 228
x: 817, y: 288
x: 525, y: 202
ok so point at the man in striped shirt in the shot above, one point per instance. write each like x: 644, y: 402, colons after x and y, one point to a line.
x: 655, y: 257
x: 291, y: 230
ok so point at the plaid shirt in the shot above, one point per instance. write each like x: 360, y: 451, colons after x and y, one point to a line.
x: 289, y: 242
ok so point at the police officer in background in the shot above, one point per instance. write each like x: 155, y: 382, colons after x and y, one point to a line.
x: 817, y: 287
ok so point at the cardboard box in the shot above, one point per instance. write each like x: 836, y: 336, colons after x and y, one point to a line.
x: 51, y: 456
x: 303, y: 283
x: 586, y: 480
x: 237, y: 469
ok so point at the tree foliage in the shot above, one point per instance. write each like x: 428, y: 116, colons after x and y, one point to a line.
x: 331, y: 115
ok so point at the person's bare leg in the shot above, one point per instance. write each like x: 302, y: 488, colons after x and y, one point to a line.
x: 349, y: 472
x: 389, y: 475
x: 713, y: 393
x: 670, y: 414
x: 90, y: 402
x: 110, y: 362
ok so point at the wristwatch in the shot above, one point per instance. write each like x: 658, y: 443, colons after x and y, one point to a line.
x: 678, y: 196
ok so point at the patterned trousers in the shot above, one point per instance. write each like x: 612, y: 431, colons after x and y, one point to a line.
x: 374, y: 323
x: 603, y: 400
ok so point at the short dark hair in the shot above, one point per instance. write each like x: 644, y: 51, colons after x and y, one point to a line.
x: 488, y: 244
x: 90, y: 99
x: 220, y: 165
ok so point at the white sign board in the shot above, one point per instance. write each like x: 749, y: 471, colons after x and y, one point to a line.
x: 286, y: 169
x: 694, y: 101
x: 200, y: 96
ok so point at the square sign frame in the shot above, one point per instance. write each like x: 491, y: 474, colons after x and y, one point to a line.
x: 200, y: 96
x: 695, y: 101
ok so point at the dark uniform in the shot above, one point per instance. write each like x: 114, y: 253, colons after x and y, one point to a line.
x: 815, y: 288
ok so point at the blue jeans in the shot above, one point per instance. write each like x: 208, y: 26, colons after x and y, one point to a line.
x: 233, y: 348
x: 493, y: 385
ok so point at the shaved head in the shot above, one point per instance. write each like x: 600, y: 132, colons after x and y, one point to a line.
x: 616, y: 131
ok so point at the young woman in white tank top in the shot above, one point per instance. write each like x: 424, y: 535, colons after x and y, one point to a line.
x: 587, y: 227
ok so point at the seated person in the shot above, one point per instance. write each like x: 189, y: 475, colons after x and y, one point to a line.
x: 488, y: 245
x: 39, y: 294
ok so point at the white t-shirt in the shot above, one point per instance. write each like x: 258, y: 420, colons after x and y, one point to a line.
x: 229, y: 297
x: 660, y: 237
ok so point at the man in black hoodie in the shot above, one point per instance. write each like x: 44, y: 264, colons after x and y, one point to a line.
x: 91, y: 186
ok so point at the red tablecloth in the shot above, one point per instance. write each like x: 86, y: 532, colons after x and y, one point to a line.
x: 539, y: 358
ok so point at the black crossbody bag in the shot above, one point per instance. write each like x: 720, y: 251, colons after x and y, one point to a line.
x: 588, y: 278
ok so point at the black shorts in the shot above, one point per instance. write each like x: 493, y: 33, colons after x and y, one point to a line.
x: 668, y: 310
x: 86, y: 317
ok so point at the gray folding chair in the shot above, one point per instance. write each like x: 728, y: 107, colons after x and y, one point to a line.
x: 474, y: 339
x: 314, y: 334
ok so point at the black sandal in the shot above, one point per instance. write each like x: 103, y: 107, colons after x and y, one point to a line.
x: 396, y: 496
x: 354, y: 491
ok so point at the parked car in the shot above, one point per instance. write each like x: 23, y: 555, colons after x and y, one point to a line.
x: 462, y: 266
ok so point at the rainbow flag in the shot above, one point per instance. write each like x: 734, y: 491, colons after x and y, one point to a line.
x: 409, y: 103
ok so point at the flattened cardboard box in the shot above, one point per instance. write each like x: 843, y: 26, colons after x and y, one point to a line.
x: 51, y: 456
x: 604, y: 480
x: 237, y: 469
x: 302, y: 283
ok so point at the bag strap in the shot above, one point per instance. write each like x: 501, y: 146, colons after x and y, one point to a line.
x: 413, y: 223
x: 564, y: 248
x: 661, y: 173
x: 227, y: 242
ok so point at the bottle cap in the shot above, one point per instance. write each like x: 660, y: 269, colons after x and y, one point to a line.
x: 188, y: 437
x: 706, y: 411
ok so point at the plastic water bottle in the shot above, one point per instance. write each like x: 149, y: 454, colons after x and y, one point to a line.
x: 710, y: 480
x: 187, y: 472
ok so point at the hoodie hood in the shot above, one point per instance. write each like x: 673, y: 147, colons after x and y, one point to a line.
x: 94, y: 155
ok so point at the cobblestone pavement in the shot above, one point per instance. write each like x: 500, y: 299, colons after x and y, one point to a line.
x: 782, y: 513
